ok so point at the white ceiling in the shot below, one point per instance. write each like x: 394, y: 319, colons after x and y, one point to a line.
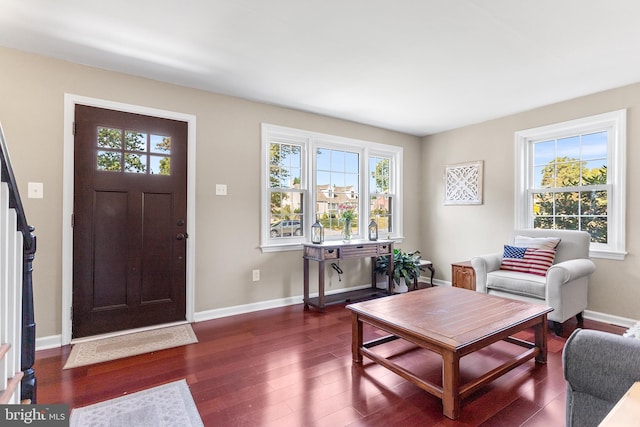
x: 416, y: 66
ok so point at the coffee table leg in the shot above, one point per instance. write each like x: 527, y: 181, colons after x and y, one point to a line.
x: 451, y: 384
x: 356, y: 337
x: 541, y: 339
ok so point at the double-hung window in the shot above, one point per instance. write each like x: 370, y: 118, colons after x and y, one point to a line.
x: 310, y: 177
x: 286, y: 187
x: 571, y: 176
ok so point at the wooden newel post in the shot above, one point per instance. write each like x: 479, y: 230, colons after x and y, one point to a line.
x: 28, y: 356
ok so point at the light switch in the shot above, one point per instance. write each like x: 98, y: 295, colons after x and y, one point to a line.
x: 35, y: 190
x: 221, y: 189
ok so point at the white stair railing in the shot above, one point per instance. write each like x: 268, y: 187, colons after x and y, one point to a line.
x: 11, y: 255
x: 17, y: 324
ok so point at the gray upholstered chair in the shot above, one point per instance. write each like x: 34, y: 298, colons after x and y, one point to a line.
x: 599, y: 368
x: 565, y: 286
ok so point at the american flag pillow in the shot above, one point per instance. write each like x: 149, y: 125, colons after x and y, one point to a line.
x: 527, y: 260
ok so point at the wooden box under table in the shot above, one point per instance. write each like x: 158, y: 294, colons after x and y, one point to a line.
x: 463, y: 275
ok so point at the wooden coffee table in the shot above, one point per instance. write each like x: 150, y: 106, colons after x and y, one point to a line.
x: 452, y: 322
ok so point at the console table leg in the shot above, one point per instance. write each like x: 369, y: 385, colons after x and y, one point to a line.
x: 321, y: 285
x: 306, y: 283
x: 374, y: 275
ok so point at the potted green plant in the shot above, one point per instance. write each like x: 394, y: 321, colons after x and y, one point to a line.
x: 406, y: 265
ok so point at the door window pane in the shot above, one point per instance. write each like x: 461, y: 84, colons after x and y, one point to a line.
x: 136, y: 141
x: 135, y: 163
x: 110, y: 161
x: 109, y: 138
x: 160, y: 165
x: 160, y: 144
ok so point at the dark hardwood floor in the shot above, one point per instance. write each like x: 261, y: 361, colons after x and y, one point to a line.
x: 290, y: 367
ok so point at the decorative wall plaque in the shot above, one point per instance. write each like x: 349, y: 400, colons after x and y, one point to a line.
x: 463, y: 183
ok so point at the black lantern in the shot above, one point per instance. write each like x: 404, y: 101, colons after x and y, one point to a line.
x: 373, y: 230
x: 317, y: 232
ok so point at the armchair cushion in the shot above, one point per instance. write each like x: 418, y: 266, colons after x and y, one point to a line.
x: 527, y: 260
x: 514, y: 282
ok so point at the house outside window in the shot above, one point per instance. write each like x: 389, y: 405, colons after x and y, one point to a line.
x: 309, y: 176
x: 571, y: 176
x: 286, y: 188
x: 337, y: 182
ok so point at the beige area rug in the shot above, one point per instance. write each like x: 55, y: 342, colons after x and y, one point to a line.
x: 167, y: 405
x: 102, y: 350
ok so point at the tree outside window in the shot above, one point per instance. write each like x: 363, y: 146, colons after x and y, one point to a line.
x: 380, y: 197
x: 571, y: 175
x: 574, y: 177
x: 286, y: 197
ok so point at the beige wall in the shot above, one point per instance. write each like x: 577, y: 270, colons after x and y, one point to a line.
x: 32, y: 92
x: 456, y: 233
x: 32, y: 89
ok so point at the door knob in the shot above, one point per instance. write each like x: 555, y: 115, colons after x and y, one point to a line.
x: 182, y: 236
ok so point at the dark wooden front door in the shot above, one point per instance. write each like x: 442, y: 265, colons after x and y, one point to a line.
x: 129, y: 226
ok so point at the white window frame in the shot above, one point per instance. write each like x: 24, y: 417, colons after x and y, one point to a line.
x: 615, y: 123
x: 394, y: 165
x: 311, y: 141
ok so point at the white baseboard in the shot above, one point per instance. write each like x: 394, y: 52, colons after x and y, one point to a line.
x: 201, y: 316
x: 54, y: 341
x: 609, y: 318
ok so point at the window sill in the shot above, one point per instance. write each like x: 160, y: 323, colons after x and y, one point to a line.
x: 281, y: 248
x: 607, y: 254
x: 285, y: 247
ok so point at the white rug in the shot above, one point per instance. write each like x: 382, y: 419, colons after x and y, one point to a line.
x: 102, y: 350
x: 169, y: 405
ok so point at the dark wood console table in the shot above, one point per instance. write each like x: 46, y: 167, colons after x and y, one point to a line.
x: 331, y: 251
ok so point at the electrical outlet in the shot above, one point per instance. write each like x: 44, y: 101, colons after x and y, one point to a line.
x: 221, y: 189
x: 256, y: 275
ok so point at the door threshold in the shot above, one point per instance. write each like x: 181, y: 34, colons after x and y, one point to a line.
x: 126, y: 332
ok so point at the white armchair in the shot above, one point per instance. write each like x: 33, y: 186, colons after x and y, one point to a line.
x: 565, y: 286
